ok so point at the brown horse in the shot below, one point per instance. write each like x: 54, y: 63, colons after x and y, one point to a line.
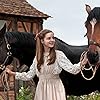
x: 93, y: 34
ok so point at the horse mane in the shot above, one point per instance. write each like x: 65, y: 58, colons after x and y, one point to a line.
x: 64, y: 43
x: 71, y: 51
x: 22, y: 46
x: 61, y: 41
x: 95, y: 13
x: 19, y: 38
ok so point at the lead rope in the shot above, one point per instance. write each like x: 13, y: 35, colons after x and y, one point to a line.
x: 4, y: 75
x: 5, y: 84
x: 83, y: 56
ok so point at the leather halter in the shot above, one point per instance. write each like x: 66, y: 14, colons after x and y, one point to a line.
x: 91, y: 42
x: 2, y: 66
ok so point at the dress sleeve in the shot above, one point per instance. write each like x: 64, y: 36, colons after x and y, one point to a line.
x: 65, y: 64
x: 25, y: 76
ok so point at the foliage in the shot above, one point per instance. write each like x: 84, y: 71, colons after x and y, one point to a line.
x: 93, y: 96
x: 24, y: 94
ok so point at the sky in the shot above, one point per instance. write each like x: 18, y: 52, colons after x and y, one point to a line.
x: 68, y: 18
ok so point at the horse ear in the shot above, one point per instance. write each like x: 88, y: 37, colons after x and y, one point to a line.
x: 3, y: 30
x: 88, y: 8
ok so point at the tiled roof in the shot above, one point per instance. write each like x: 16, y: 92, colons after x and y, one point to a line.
x: 20, y: 7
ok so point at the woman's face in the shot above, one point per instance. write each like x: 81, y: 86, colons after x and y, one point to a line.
x: 49, y: 40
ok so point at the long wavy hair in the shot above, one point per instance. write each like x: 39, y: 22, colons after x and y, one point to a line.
x: 40, y: 49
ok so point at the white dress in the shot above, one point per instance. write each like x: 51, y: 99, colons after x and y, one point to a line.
x: 50, y: 86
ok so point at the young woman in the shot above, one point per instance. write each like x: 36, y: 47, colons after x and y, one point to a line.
x: 47, y: 65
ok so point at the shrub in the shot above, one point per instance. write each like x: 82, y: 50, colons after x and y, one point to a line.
x: 92, y: 96
x: 24, y: 94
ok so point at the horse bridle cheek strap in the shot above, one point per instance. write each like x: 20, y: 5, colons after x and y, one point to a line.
x: 2, y: 66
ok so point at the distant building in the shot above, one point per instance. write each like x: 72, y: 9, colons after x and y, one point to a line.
x: 21, y: 16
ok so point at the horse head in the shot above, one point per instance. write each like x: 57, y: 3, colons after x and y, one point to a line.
x: 92, y: 25
x: 93, y: 34
x: 20, y: 45
x: 4, y: 49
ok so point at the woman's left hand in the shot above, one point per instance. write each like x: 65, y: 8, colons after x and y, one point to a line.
x: 83, y: 60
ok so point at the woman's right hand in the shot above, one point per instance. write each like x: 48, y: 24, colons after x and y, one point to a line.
x: 9, y: 71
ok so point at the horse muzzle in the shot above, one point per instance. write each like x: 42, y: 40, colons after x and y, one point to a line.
x: 93, y: 57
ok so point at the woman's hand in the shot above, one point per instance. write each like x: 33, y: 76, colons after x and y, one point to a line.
x: 9, y: 71
x: 83, y: 59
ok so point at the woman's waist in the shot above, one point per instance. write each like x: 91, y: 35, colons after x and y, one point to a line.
x: 49, y: 76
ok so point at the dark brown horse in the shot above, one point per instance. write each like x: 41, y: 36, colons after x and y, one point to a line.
x: 22, y: 46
